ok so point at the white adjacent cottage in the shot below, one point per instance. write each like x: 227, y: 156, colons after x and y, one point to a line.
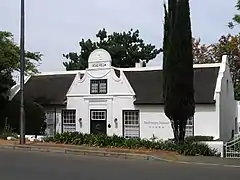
x: 128, y: 101
x: 238, y: 102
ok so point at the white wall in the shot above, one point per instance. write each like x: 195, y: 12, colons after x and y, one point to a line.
x: 227, y: 102
x: 120, y: 96
x: 115, y: 86
x: 120, y: 104
x: 206, y: 121
x: 154, y: 121
x: 238, y: 107
x: 238, y: 110
x: 114, y: 106
x: 152, y: 118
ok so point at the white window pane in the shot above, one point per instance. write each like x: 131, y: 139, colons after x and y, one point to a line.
x: 94, y: 88
x: 131, y: 124
x: 189, y: 131
x: 98, y: 86
x: 103, y: 87
x: 98, y: 115
x: 69, y: 120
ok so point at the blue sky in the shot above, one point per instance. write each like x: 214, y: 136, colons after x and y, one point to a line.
x: 54, y: 27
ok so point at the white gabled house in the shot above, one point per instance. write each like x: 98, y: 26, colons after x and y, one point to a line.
x: 238, y: 102
x: 128, y: 101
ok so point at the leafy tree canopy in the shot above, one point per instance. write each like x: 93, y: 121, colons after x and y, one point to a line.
x: 236, y: 18
x: 126, y: 48
x: 10, y: 55
x: 226, y: 45
x: 10, y: 61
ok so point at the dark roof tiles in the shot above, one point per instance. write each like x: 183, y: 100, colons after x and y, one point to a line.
x: 47, y: 89
x: 149, y: 90
x: 147, y: 84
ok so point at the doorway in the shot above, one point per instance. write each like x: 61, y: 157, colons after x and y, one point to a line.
x: 98, y: 121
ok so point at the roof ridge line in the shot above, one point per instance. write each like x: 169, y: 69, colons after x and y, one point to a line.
x: 149, y: 68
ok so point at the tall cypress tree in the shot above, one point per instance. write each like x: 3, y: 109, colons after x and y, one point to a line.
x: 178, y: 66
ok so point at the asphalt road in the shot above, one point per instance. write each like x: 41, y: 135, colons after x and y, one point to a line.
x: 18, y: 165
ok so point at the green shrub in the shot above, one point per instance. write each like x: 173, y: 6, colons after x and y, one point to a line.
x: 191, y: 147
x: 4, y: 135
x: 8, y: 132
x: 34, y: 117
x: 198, y: 138
x: 196, y: 148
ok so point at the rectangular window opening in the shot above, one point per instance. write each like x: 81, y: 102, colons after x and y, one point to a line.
x: 189, y: 131
x: 131, y: 124
x: 98, y: 86
x: 98, y: 114
x: 69, y: 120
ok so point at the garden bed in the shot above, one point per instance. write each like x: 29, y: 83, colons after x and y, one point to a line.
x: 190, y: 147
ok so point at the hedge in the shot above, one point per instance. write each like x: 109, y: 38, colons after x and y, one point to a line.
x: 188, y: 148
x: 199, y: 138
x: 6, y: 132
x: 34, y: 117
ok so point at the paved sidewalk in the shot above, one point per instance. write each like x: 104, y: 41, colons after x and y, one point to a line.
x: 143, y: 154
x: 208, y: 160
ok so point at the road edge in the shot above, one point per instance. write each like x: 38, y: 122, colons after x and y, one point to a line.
x: 121, y: 155
x: 84, y: 152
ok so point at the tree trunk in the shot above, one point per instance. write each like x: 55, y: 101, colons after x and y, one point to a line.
x: 175, y: 127
x: 182, y: 131
x: 179, y: 129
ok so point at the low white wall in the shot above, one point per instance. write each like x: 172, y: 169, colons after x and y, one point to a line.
x: 218, y: 145
x: 30, y: 137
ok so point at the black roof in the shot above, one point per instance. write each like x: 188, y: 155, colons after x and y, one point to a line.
x: 149, y: 90
x: 147, y: 84
x: 47, y: 89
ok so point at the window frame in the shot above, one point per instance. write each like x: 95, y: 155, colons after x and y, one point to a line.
x: 98, y: 110
x: 98, y: 81
x: 124, y: 125
x: 50, y: 122
x: 190, y: 126
x: 74, y: 124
